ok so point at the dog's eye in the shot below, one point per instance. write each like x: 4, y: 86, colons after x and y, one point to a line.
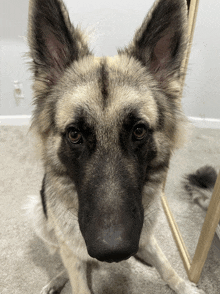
x: 75, y: 136
x: 139, y: 132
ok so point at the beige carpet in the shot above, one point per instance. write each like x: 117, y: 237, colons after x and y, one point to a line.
x: 25, y: 264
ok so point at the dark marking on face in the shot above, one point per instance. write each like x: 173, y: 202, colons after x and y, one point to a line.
x: 43, y: 199
x: 103, y: 82
x: 75, y: 156
x: 143, y: 150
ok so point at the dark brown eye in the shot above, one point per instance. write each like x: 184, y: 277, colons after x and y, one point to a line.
x: 75, y: 136
x: 139, y: 132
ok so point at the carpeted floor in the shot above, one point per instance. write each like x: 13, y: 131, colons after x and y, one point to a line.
x: 25, y: 264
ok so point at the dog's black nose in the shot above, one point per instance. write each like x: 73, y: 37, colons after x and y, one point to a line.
x: 112, y: 246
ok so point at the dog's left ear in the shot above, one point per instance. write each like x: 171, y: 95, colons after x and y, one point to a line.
x: 161, y: 41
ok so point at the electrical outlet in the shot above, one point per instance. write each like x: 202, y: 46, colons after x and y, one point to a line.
x: 18, y: 92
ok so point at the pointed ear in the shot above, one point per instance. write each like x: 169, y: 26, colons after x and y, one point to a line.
x: 53, y: 41
x: 161, y: 41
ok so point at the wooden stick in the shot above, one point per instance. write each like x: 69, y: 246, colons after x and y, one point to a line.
x: 177, y: 235
x: 193, y: 9
x: 208, y: 230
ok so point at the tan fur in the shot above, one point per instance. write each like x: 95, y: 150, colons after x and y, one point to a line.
x: 143, y: 81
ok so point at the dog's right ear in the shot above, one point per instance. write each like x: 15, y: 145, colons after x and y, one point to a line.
x: 54, y: 42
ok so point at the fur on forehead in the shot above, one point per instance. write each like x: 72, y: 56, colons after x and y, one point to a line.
x: 127, y: 87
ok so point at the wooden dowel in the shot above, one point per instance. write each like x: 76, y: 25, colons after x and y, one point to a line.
x: 193, y: 9
x: 177, y: 236
x: 208, y: 230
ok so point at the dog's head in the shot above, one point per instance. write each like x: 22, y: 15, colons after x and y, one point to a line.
x: 109, y: 124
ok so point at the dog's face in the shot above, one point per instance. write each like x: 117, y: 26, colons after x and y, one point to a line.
x: 109, y: 124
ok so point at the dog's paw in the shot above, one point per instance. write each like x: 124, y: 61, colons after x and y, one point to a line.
x: 56, y: 285
x: 188, y: 287
x: 50, y: 290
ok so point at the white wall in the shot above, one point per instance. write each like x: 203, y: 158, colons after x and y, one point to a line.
x: 202, y: 89
x: 112, y: 24
x: 13, y: 23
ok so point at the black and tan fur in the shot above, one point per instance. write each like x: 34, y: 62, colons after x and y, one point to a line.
x: 106, y: 127
x: 200, y: 185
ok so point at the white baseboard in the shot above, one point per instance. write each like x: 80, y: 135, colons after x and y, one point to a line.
x: 19, y: 120
x: 207, y: 123
x: 15, y: 120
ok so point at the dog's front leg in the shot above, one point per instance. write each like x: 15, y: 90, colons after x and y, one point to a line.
x: 76, y: 270
x: 151, y: 253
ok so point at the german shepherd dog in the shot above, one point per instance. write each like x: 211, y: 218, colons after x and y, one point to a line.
x: 106, y: 127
